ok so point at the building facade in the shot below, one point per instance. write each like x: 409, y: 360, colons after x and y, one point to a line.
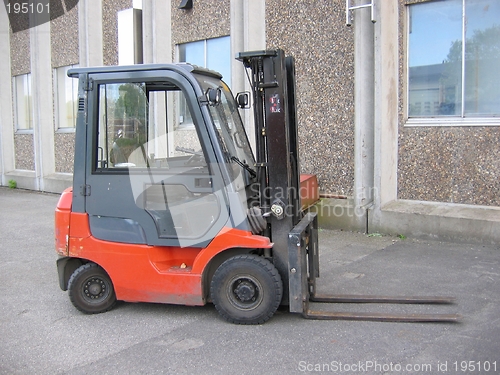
x: 398, y: 113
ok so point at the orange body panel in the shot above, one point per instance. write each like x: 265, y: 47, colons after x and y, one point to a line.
x: 143, y: 273
x: 309, y: 190
x: 62, y: 216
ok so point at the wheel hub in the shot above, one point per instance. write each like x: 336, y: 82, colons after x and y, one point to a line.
x: 245, y: 291
x: 95, y: 288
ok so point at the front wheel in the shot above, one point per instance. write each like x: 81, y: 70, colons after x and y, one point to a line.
x: 246, y: 289
x: 91, y: 290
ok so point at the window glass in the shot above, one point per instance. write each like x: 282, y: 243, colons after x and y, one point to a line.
x: 23, y: 102
x: 138, y: 135
x: 67, y: 97
x: 214, y: 54
x: 138, y: 127
x: 441, y: 81
x: 482, y: 58
x: 229, y: 128
x: 219, y: 57
x: 122, y: 125
x: 193, y: 53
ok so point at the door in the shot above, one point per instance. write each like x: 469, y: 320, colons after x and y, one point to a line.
x: 151, y: 168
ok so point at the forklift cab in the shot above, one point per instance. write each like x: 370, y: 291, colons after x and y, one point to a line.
x: 159, y: 161
x: 162, y: 205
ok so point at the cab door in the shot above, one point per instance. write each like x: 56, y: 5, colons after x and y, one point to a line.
x: 151, y: 172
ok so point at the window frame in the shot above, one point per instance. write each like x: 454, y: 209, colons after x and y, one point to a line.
x: 459, y: 120
x: 15, y: 91
x: 56, y: 84
x: 149, y: 132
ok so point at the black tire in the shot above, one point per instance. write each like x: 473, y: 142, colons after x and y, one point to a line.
x: 246, y: 289
x: 90, y: 289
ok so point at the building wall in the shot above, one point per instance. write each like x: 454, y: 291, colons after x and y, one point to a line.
x: 444, y: 165
x: 453, y: 164
x: 24, y: 151
x: 314, y: 32
x: 20, y: 52
x: 20, y: 64
x: 64, y: 41
x: 65, y: 51
x: 64, y: 149
x: 207, y: 19
x: 110, y: 8
x: 324, y: 95
x: 435, y: 163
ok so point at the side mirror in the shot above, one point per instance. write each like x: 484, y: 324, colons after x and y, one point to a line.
x: 214, y: 96
x: 242, y: 99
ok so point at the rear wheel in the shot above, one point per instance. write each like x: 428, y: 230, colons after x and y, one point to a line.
x: 91, y: 290
x: 246, y: 289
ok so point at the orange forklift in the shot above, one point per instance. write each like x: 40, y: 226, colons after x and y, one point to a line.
x: 169, y: 204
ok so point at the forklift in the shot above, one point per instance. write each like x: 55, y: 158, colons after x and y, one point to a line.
x: 169, y: 204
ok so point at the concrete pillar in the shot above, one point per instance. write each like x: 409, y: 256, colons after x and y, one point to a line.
x: 248, y: 33
x: 386, y: 108
x: 7, y: 157
x: 157, y: 31
x: 43, y: 116
x: 364, y: 69
x: 130, y: 39
x: 157, y: 42
x: 90, y: 32
x: 237, y: 44
x: 387, y: 102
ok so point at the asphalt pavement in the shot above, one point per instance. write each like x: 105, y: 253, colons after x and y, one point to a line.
x: 42, y: 333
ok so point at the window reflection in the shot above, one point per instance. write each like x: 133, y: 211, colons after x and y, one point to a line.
x: 444, y: 78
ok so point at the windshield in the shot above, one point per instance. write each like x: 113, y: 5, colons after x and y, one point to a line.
x: 229, y: 127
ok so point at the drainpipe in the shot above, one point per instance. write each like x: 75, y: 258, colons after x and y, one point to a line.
x: 364, y: 68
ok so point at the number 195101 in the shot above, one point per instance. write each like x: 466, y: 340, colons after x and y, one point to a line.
x: 473, y: 366
x: 26, y: 8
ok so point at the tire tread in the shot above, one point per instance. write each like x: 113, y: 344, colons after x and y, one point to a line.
x: 276, y: 281
x: 74, y: 298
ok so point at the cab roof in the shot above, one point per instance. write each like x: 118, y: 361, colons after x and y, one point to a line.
x: 189, y: 68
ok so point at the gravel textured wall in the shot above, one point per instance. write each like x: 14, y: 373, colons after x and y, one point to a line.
x: 314, y: 32
x: 445, y: 164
